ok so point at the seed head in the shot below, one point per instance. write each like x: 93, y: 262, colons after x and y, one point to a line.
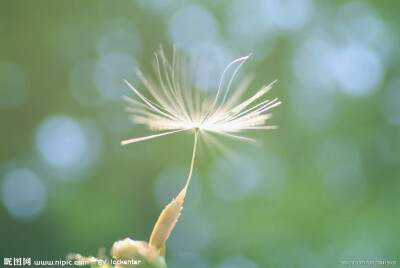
x: 176, y: 105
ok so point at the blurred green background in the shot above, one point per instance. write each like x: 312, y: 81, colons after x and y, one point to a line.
x: 322, y: 188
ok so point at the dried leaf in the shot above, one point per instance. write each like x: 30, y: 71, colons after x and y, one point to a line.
x: 166, y: 222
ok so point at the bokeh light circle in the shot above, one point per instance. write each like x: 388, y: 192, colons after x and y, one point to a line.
x: 234, y: 178
x: 344, y: 187
x: 358, y: 70
x: 289, y: 14
x: 211, y: 60
x: 82, y: 84
x: 249, y: 29
x: 111, y: 70
x: 191, y: 26
x: 305, y: 100
x: 273, y: 174
x: 61, y: 141
x: 185, y: 239
x: 24, y: 195
x: 333, y: 153
x: 67, y: 145
x: 312, y: 63
x: 120, y: 41
x: 177, y: 176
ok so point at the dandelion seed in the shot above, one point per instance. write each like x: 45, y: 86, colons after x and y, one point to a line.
x: 176, y: 106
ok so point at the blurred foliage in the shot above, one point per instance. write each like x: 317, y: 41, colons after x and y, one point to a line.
x: 322, y: 188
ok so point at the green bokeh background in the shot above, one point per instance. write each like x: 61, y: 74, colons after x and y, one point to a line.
x: 322, y: 188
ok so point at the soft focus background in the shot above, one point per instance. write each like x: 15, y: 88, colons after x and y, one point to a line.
x: 322, y: 188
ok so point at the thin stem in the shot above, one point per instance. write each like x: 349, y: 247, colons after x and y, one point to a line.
x: 169, y: 216
x: 196, y: 135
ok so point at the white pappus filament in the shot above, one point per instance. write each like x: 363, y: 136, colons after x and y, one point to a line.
x: 176, y: 105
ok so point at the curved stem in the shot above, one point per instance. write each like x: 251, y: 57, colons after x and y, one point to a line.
x: 196, y: 135
x: 169, y: 216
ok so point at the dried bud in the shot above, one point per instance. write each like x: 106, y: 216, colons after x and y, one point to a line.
x: 140, y: 251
